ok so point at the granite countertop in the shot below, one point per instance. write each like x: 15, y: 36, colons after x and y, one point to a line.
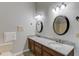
x: 59, y: 47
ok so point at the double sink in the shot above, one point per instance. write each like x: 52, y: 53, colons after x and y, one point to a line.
x: 56, y: 45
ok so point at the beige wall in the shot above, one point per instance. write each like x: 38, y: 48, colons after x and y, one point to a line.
x: 17, y: 14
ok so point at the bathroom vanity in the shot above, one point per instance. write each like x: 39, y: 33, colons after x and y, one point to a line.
x: 46, y: 47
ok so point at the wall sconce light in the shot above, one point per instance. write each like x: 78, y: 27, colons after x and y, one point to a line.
x: 63, y: 5
x: 38, y: 17
x: 77, y: 18
x: 59, y: 7
x: 53, y: 10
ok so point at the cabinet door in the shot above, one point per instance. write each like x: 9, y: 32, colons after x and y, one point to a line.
x: 44, y: 53
x: 31, y: 45
x: 48, y: 51
x: 38, y: 49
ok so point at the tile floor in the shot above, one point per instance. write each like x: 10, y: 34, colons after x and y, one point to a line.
x: 27, y: 54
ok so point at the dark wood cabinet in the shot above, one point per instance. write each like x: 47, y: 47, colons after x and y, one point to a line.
x: 41, y: 50
x: 38, y: 49
x: 50, y: 52
x: 46, y: 53
x: 31, y: 45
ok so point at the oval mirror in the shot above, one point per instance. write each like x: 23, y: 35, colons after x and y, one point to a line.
x: 61, y: 25
x: 39, y: 26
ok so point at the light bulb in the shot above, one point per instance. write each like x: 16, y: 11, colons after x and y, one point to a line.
x: 53, y: 10
x: 57, y: 9
x: 39, y: 17
x: 63, y: 6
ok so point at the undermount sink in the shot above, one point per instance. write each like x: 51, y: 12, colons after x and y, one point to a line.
x: 55, y: 44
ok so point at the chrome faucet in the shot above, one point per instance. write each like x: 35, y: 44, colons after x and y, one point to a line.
x: 59, y: 40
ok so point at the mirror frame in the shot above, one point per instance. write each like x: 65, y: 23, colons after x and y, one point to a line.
x: 67, y: 28
x: 41, y: 26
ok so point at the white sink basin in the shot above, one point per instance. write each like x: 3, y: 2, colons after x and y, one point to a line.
x: 55, y: 44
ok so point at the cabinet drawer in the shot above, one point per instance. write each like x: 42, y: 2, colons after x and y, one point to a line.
x: 51, y: 52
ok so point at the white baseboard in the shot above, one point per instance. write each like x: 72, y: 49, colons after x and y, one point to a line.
x: 18, y: 53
